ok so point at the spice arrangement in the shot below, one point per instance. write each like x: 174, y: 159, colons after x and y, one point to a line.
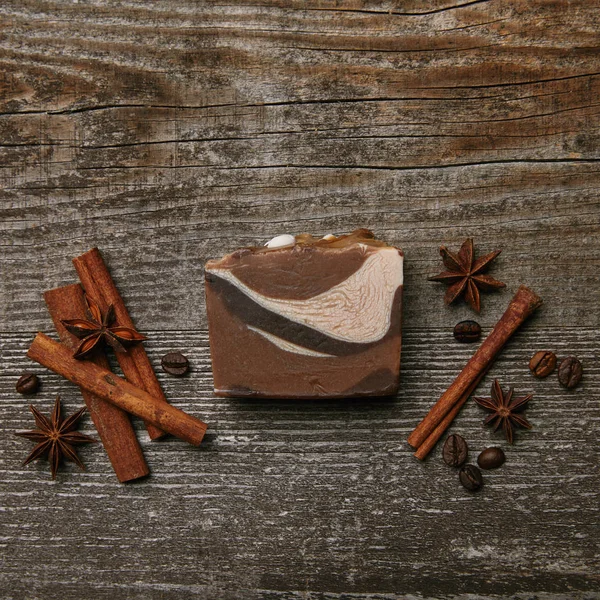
x: 465, y: 277
x: 91, y: 317
x: 87, y: 318
x: 432, y: 427
x: 455, y: 452
x: 113, y: 424
x: 118, y: 391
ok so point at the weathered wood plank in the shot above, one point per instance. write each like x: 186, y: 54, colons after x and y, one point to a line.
x: 347, y: 506
x: 171, y: 132
x: 156, y: 237
x: 176, y: 54
x: 209, y: 175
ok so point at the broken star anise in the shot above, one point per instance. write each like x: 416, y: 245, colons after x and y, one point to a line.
x: 504, y: 410
x: 465, y: 274
x: 100, y: 328
x: 56, y: 438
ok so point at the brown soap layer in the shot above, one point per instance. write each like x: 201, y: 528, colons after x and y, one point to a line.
x: 311, y: 267
x: 296, y: 273
x: 248, y: 365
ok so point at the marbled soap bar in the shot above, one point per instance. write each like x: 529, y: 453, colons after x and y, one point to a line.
x: 306, y: 318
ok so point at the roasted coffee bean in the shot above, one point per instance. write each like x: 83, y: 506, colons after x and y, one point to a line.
x: 542, y: 363
x: 570, y: 372
x: 175, y: 364
x: 28, y: 384
x: 491, y: 458
x: 467, y: 331
x: 470, y: 477
x: 455, y: 451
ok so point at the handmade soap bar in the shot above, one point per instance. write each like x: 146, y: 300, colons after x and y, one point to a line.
x: 306, y: 318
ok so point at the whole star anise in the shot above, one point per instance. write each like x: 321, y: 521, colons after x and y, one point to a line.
x: 56, y: 438
x: 465, y: 274
x: 100, y: 328
x: 504, y: 410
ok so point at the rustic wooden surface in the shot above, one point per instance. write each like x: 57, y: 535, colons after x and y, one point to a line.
x: 174, y: 131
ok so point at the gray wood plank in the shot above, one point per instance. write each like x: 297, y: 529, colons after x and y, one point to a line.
x: 156, y: 240
x: 315, y: 496
x: 170, y: 132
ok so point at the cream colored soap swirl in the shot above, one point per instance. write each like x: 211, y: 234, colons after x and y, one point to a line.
x: 357, y: 310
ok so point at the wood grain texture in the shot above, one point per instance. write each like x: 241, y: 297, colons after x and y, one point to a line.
x: 320, y: 496
x: 170, y: 132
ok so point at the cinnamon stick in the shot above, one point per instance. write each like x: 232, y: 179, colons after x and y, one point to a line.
x: 135, y: 364
x: 524, y: 303
x: 427, y: 446
x: 112, y: 423
x: 116, y: 390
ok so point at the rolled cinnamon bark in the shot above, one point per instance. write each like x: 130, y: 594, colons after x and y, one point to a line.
x: 112, y: 423
x: 116, y: 390
x: 135, y: 364
x: 524, y: 303
x: 432, y: 439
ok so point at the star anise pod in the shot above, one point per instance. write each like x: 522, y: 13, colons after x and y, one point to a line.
x: 56, y: 437
x: 100, y: 328
x: 465, y: 274
x: 504, y: 410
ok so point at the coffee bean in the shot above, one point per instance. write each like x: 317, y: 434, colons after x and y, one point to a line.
x: 467, y: 331
x: 542, y: 363
x: 455, y: 451
x: 175, y: 364
x: 491, y: 458
x: 570, y: 372
x: 470, y: 477
x: 28, y: 384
